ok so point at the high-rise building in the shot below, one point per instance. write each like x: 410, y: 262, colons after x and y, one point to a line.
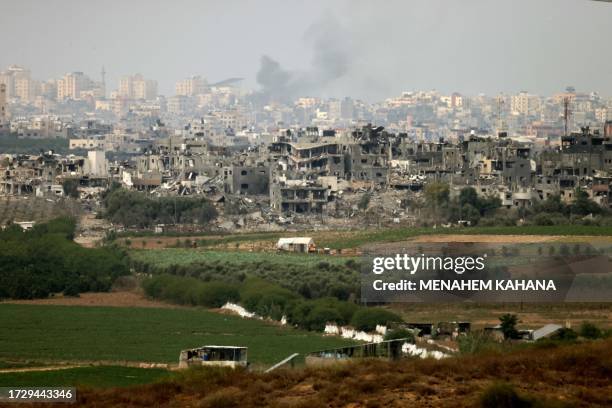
x: 524, y: 104
x: 19, y: 84
x: 347, y: 108
x: 3, y: 110
x: 137, y: 87
x: 71, y: 86
x: 195, y: 85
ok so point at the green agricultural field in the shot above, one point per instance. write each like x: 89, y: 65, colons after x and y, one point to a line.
x: 72, y: 333
x: 310, y: 275
x: 95, y: 376
x: 358, y: 238
x: 179, y: 256
x: 354, y: 239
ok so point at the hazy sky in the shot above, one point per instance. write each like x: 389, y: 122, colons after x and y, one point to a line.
x: 369, y: 49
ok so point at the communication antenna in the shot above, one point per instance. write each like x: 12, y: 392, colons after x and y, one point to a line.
x: 566, y: 113
x: 501, y: 124
x: 103, y: 74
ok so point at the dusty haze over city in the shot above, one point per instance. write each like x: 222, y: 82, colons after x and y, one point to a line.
x: 360, y: 49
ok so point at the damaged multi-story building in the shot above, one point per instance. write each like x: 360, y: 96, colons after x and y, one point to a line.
x: 45, y: 173
x: 304, y: 171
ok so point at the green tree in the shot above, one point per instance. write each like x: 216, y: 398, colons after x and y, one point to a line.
x: 364, y: 201
x: 437, y: 194
x: 368, y: 318
x: 508, y: 325
x: 583, y: 205
x: 590, y: 331
x: 71, y: 188
x: 400, y: 334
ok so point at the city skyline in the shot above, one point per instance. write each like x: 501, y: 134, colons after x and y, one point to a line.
x: 326, y: 50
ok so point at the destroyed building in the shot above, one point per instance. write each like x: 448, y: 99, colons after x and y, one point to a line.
x: 310, y: 171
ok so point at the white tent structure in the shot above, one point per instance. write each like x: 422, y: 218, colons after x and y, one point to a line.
x: 298, y: 244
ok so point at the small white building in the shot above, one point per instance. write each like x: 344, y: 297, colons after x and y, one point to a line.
x: 225, y: 356
x: 298, y: 244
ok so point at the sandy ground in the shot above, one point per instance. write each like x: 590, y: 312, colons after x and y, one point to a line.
x: 44, y: 368
x: 118, y: 299
x: 508, y: 239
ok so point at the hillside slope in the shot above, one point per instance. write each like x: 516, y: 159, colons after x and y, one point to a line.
x: 577, y: 375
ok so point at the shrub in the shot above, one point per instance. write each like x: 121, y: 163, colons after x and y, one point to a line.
x: 477, y: 342
x: 590, y: 331
x: 368, y: 318
x: 565, y: 334
x: 135, y: 209
x: 508, y: 326
x: 266, y: 299
x: 543, y: 219
x: 45, y: 260
x: 319, y: 316
x: 190, y: 291
x: 400, y: 334
x: 502, y: 395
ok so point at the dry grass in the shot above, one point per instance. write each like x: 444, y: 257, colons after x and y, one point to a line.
x: 117, y: 299
x: 577, y: 375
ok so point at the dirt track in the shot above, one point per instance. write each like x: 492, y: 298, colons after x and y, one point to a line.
x: 118, y: 299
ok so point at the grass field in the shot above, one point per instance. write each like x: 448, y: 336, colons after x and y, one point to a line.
x: 95, y: 376
x: 180, y: 256
x: 357, y: 238
x: 73, y: 333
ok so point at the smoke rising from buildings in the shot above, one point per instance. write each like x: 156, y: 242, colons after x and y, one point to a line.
x: 364, y: 49
x: 331, y: 61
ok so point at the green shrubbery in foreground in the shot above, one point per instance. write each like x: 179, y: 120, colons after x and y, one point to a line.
x: 267, y: 299
x: 45, y: 260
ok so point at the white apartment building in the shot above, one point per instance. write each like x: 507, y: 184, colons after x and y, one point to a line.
x: 71, y: 86
x: 195, y: 85
x: 137, y: 87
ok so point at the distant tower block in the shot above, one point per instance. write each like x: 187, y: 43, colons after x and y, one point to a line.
x: 103, y: 75
x: 608, y: 129
x: 3, y: 110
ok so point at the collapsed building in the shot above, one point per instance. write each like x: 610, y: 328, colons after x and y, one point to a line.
x: 313, y: 172
x: 45, y: 174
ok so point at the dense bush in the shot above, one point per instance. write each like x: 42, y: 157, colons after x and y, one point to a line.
x: 478, y: 342
x: 400, y: 334
x: 590, y: 331
x: 190, y: 291
x: 508, y: 325
x: 45, y: 260
x: 266, y: 299
x: 309, y: 281
x: 564, y: 334
x: 71, y: 187
x: 503, y: 395
x: 487, y: 211
x: 314, y: 314
x: 135, y: 209
x: 368, y: 318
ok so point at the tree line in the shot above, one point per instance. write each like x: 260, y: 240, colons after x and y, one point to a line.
x: 323, y: 279
x: 136, y: 209
x: 438, y: 205
x: 45, y: 260
x: 268, y: 300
